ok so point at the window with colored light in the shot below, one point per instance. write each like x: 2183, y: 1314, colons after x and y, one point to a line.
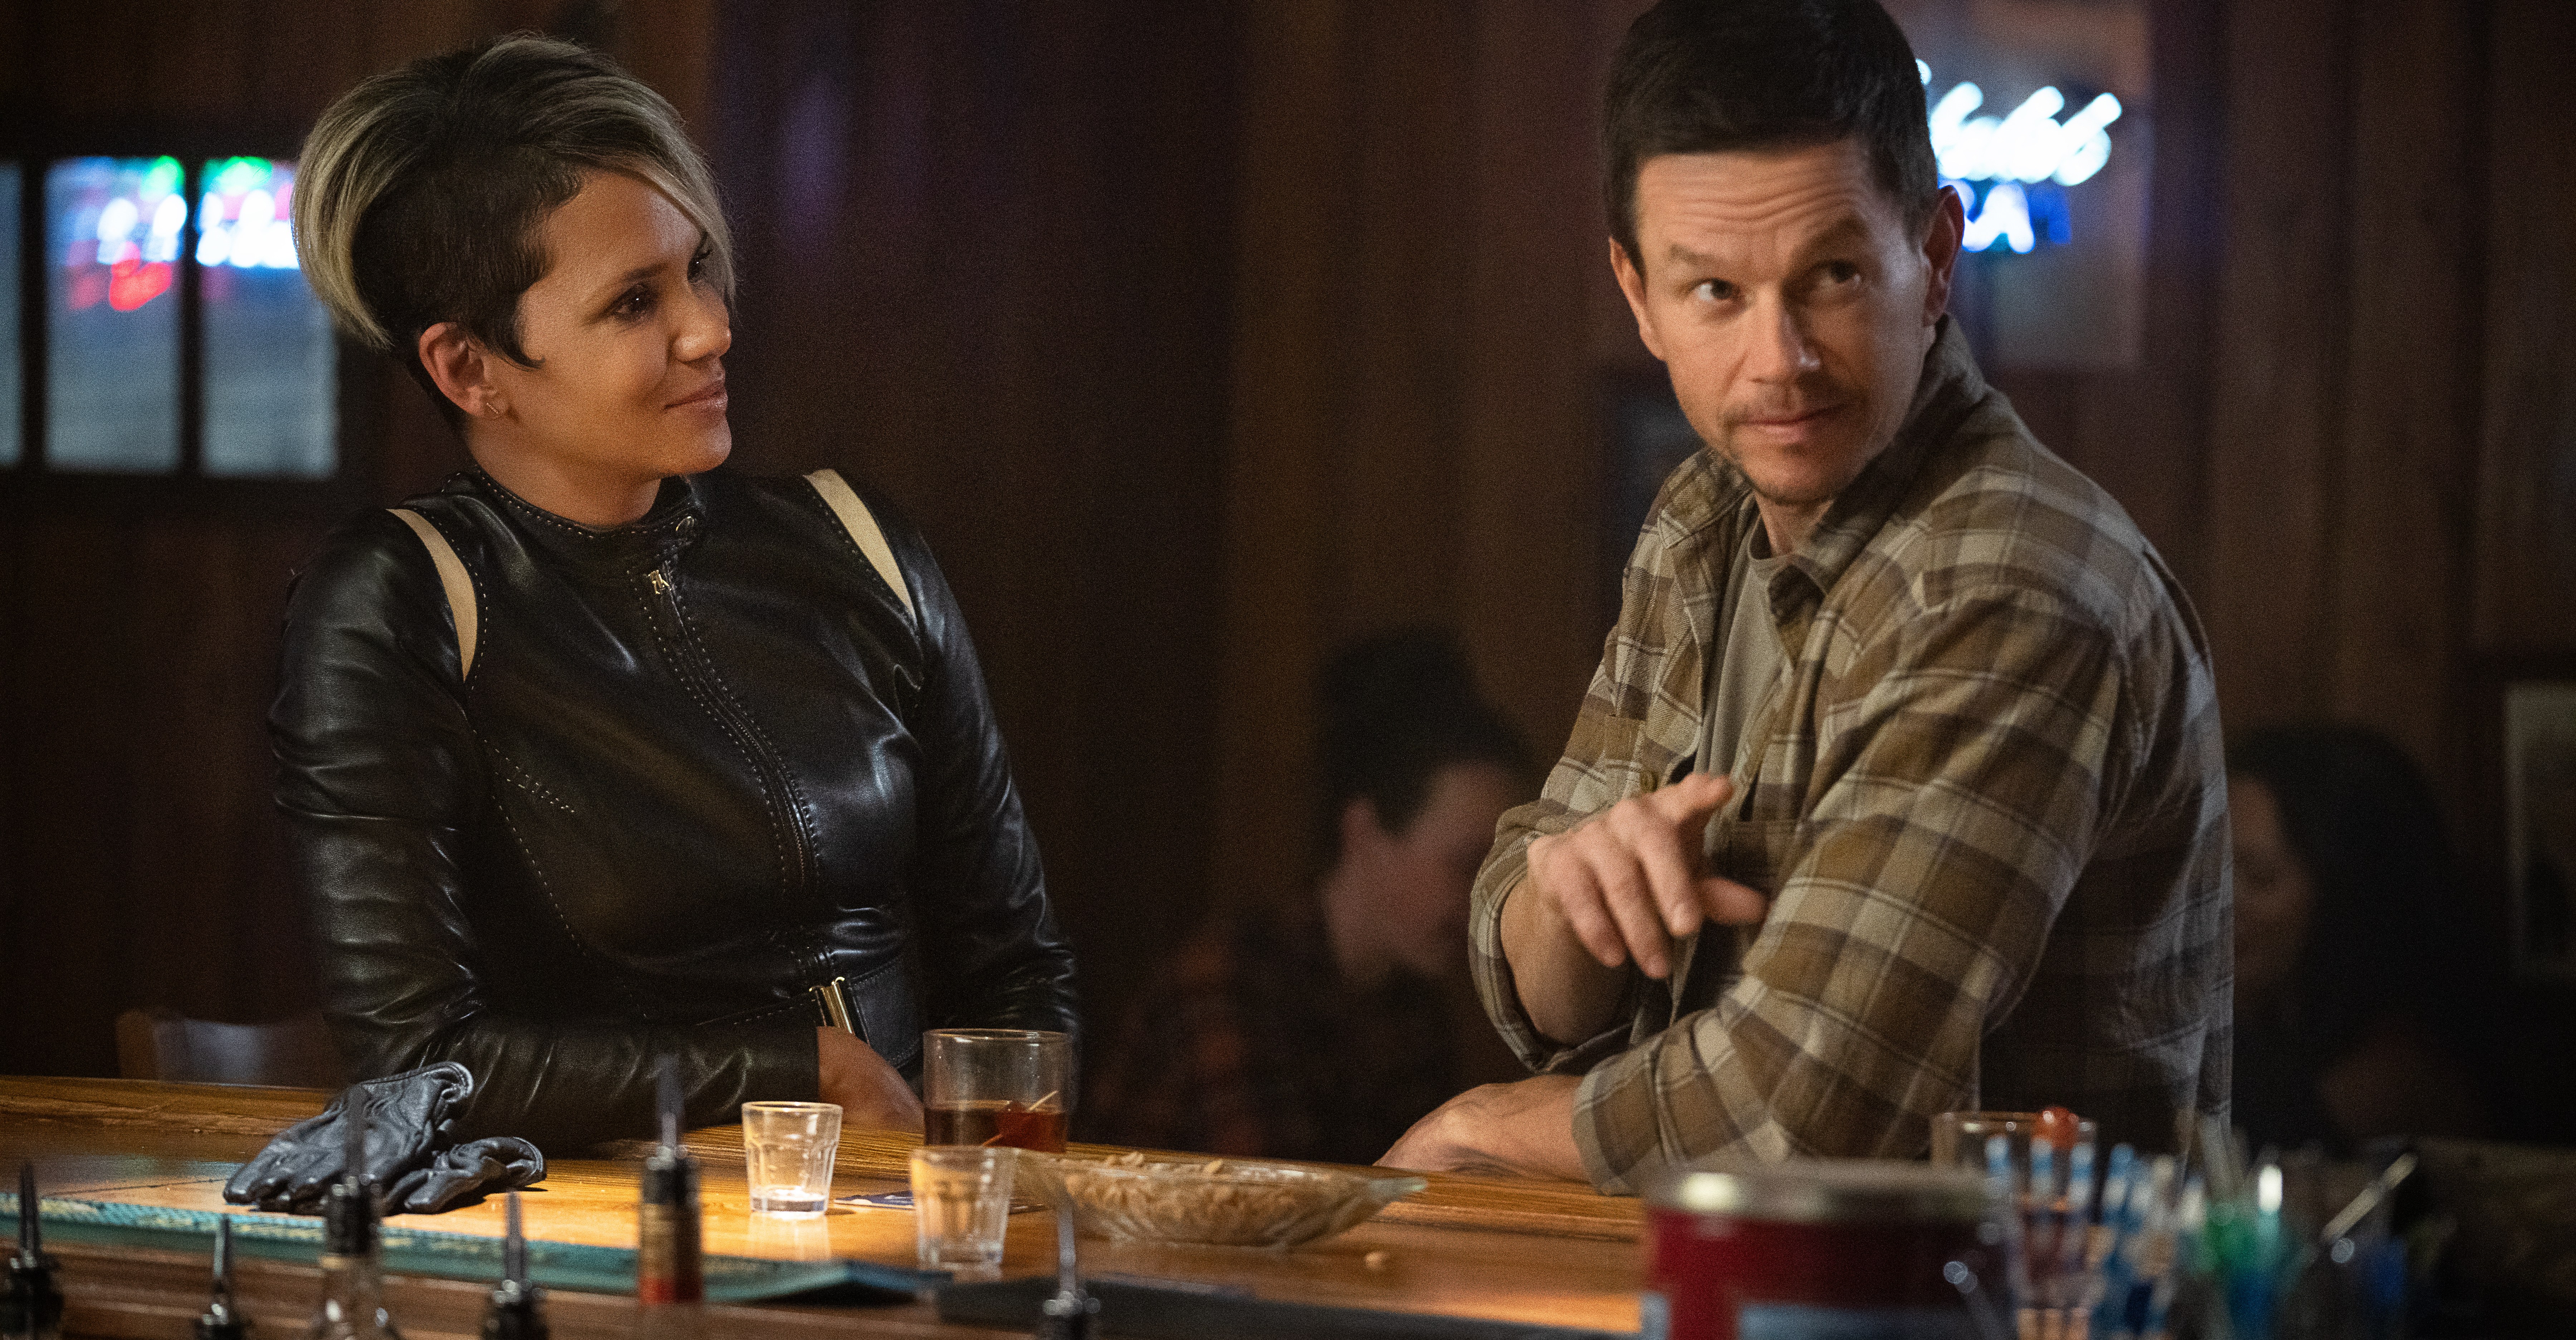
x: 268, y: 349
x: 173, y: 333
x: 112, y: 230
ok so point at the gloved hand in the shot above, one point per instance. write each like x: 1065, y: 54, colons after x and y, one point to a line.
x: 465, y: 1173
x: 410, y: 1120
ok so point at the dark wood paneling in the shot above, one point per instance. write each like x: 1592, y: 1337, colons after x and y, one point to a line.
x: 141, y: 867
x: 1279, y: 538
x: 2277, y: 376
x: 986, y: 259
x: 203, y: 60
x: 2137, y: 428
x: 68, y: 820
x: 1398, y: 342
x: 2402, y: 488
x: 18, y: 64
x: 1530, y: 468
x: 2526, y: 550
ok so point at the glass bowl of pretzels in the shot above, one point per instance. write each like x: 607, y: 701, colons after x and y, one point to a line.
x: 1220, y: 1202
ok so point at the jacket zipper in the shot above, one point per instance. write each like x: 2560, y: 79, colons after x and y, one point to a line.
x: 694, y: 663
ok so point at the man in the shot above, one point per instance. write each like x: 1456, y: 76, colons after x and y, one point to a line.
x: 1899, y: 789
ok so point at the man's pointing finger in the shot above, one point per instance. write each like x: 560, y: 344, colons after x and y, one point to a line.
x: 1688, y: 802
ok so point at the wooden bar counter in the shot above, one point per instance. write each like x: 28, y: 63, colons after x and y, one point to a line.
x: 1473, y: 1247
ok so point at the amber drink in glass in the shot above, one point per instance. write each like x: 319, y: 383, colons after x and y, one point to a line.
x: 996, y: 1087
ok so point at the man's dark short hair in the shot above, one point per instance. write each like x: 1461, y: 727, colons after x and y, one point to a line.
x: 1708, y: 76
x: 1397, y: 708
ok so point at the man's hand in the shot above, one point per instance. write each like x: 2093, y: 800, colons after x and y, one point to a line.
x: 1517, y: 1130
x: 869, y: 1091
x: 1627, y: 882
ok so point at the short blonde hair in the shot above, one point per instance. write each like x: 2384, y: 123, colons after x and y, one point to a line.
x: 420, y: 193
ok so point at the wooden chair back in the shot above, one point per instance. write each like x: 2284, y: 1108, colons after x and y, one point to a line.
x: 160, y: 1044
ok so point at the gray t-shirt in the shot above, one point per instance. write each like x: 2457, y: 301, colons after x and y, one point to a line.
x: 1748, y: 656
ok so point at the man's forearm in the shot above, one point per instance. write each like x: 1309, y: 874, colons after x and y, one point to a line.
x: 1518, y: 1130
x: 1568, y: 996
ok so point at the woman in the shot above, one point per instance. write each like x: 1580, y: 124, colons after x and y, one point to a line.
x: 2350, y: 990
x: 665, y: 755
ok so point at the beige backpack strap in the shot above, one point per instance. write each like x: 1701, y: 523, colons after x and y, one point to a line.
x: 452, y: 575
x: 862, y: 527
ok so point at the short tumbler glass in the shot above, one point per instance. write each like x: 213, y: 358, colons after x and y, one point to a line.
x: 1959, y: 1141
x: 787, y: 1151
x: 961, y: 1202
x: 996, y: 1086
x: 2049, y: 1273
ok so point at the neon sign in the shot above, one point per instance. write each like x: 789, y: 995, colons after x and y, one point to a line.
x: 2026, y: 158
x: 121, y: 224
x: 243, y: 221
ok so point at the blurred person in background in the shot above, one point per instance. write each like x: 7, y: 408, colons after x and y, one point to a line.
x: 2354, y: 993
x: 1317, y: 1030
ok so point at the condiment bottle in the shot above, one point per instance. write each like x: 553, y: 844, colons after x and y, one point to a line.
x: 513, y: 1314
x: 32, y: 1305
x: 353, y: 1280
x: 669, y: 1279
x: 222, y: 1321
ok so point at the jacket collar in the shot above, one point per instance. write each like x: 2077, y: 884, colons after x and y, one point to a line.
x: 674, y: 522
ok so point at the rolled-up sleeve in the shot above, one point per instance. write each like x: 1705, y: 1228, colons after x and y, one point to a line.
x: 1954, y: 806
x: 1609, y: 757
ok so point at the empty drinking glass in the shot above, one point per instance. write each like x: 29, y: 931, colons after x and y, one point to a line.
x: 787, y: 1151
x: 961, y: 1202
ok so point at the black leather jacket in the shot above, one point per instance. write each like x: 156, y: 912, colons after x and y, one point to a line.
x: 703, y: 762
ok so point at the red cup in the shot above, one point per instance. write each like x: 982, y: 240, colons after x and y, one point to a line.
x: 1823, y: 1248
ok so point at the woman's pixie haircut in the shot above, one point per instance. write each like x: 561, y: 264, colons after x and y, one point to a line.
x: 420, y: 193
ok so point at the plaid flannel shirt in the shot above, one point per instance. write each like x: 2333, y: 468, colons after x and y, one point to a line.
x: 1987, y: 794
x: 1248, y: 1042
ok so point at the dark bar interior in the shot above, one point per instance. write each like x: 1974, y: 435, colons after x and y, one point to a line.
x: 1200, y: 337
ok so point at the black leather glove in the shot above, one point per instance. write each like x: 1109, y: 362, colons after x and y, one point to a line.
x: 410, y: 1122
x: 465, y: 1173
